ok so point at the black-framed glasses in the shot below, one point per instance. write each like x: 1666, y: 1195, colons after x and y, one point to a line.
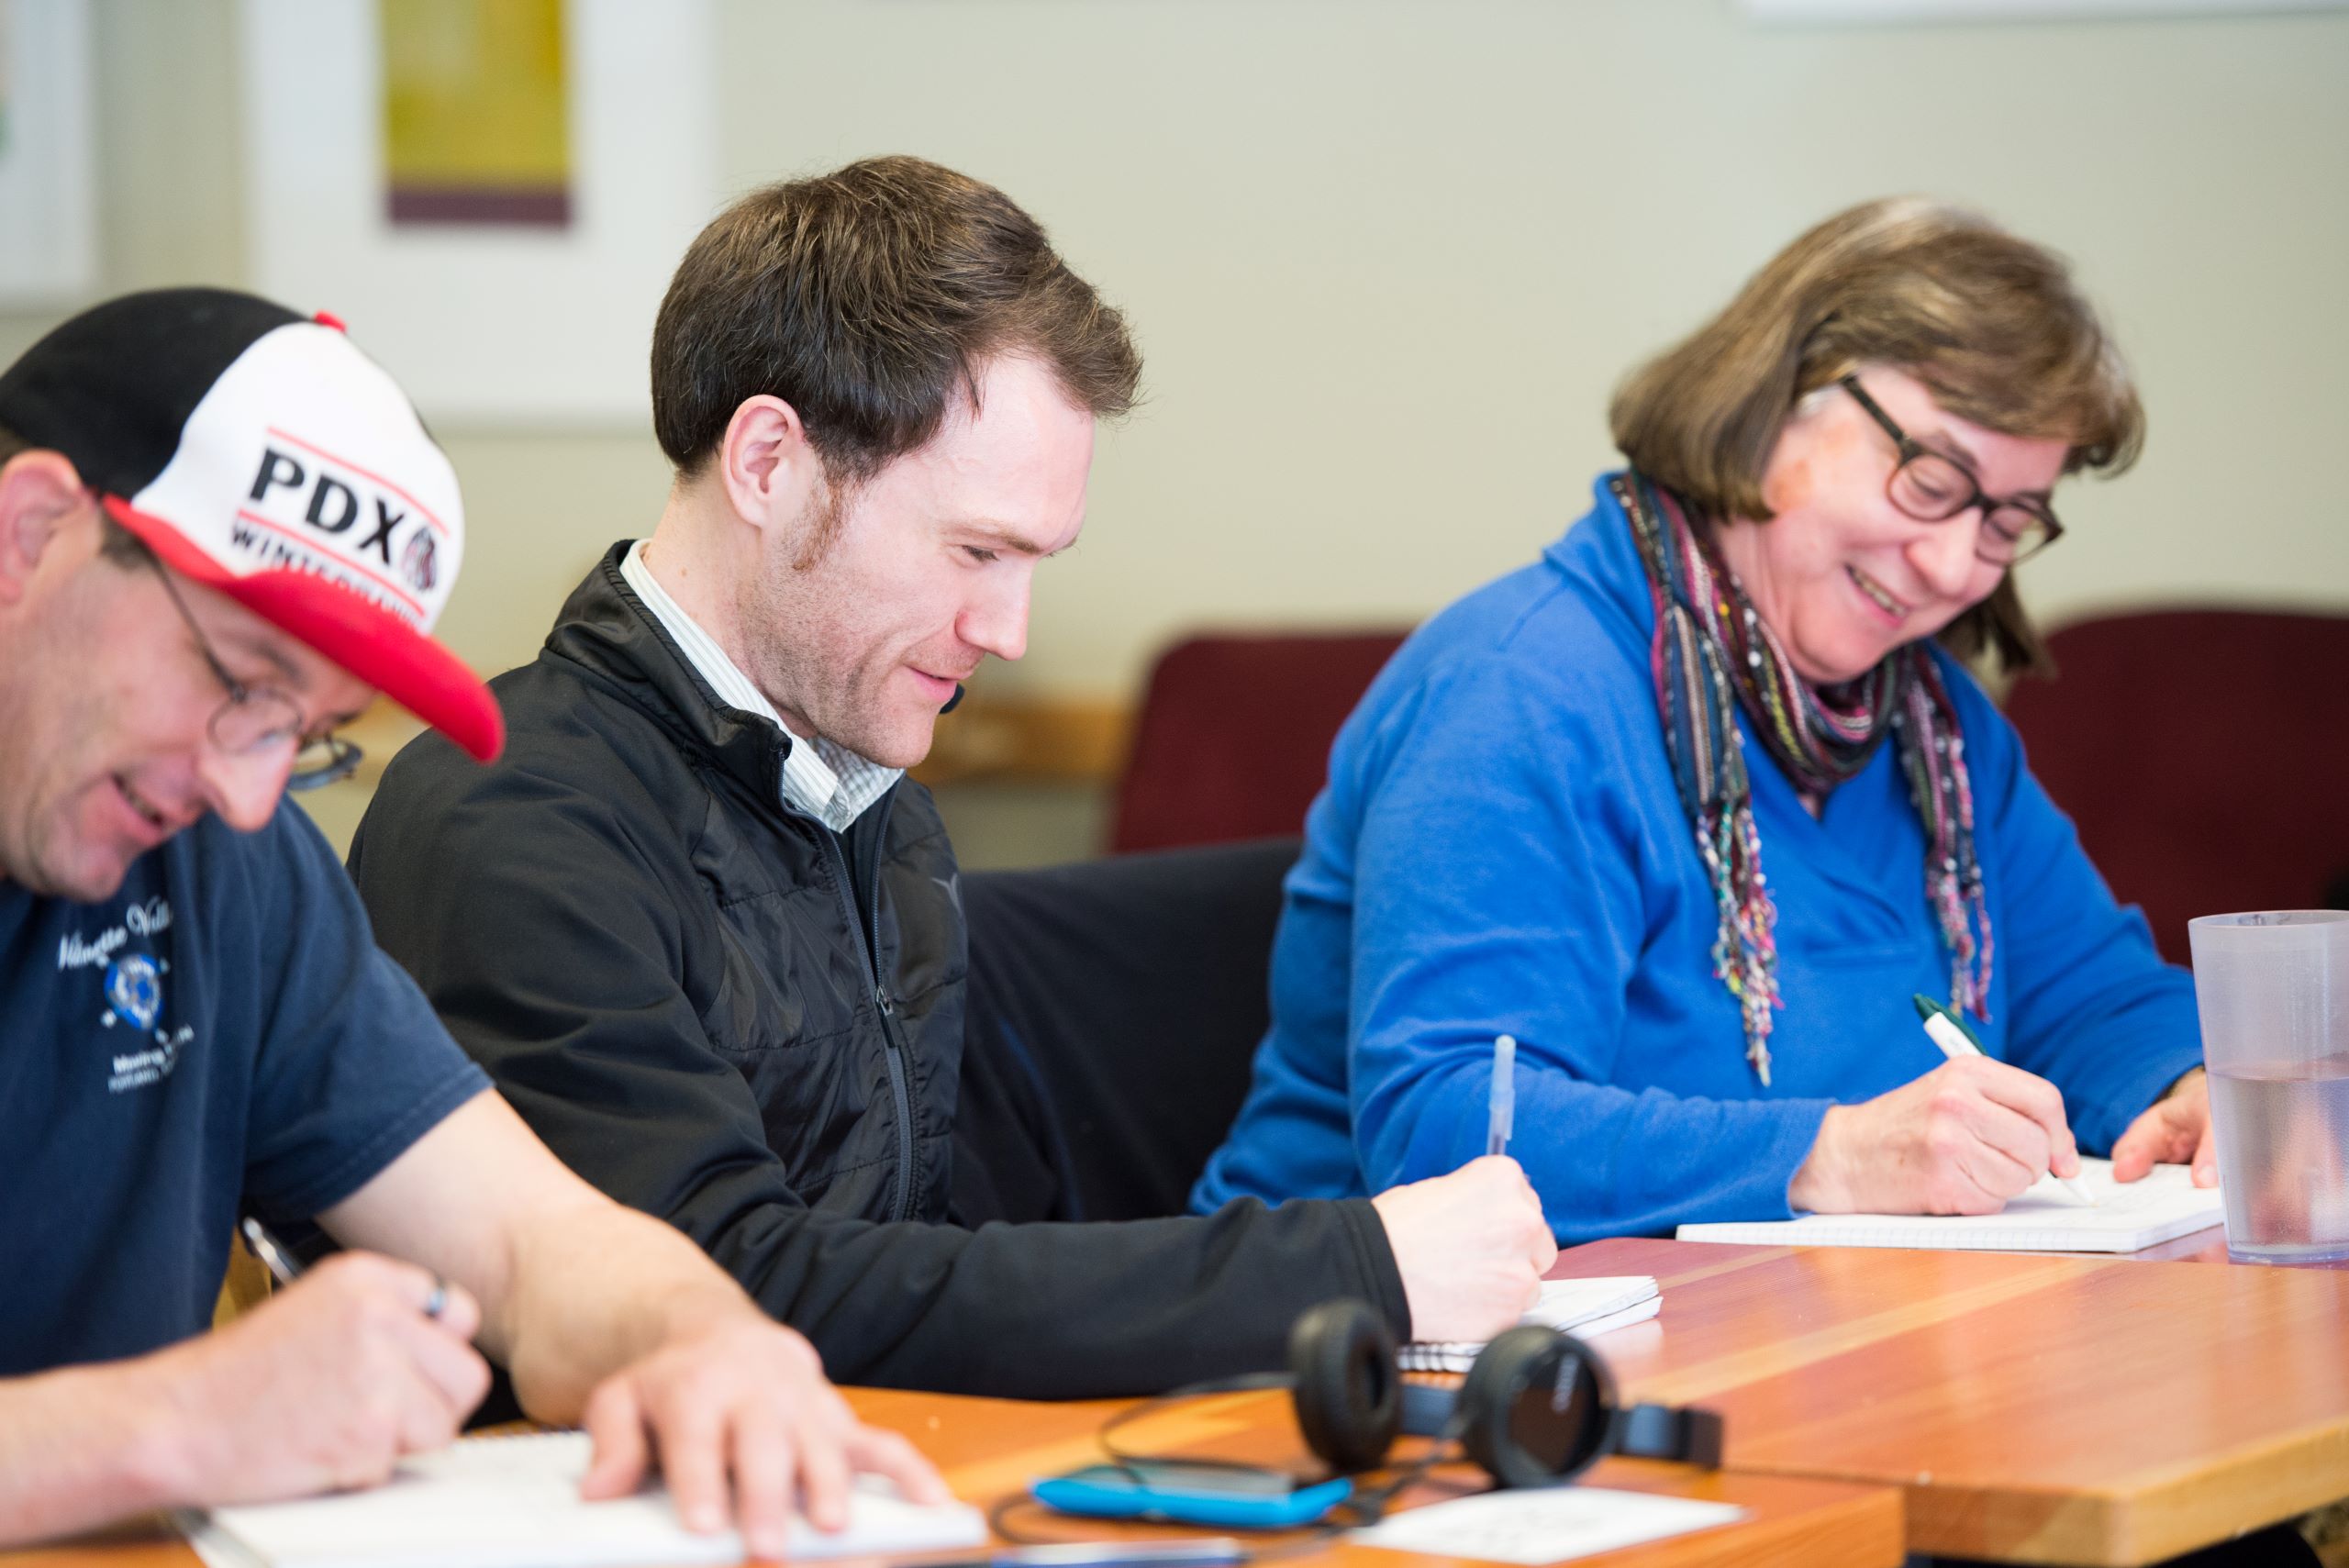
x: 256, y: 719
x: 1933, y: 487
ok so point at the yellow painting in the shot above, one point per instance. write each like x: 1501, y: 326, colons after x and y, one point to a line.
x: 476, y: 113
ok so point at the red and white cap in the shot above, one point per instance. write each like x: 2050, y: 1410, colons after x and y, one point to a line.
x: 263, y: 454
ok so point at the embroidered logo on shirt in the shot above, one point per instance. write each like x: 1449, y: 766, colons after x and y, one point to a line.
x: 134, y: 992
x: 132, y: 989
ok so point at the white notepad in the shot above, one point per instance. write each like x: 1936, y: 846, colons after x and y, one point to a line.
x: 514, y: 1502
x: 1580, y: 1306
x: 2045, y: 1218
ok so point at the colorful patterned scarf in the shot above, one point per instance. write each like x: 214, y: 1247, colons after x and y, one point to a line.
x: 1711, y: 654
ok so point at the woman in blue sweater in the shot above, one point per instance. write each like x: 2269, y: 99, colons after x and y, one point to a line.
x: 1694, y: 806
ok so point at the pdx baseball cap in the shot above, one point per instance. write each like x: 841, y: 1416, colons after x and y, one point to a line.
x: 263, y: 454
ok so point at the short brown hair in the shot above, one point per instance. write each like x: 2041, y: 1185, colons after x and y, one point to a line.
x: 866, y: 298
x: 1990, y: 323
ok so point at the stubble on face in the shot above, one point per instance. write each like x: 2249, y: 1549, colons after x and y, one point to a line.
x: 822, y: 647
x: 86, y: 695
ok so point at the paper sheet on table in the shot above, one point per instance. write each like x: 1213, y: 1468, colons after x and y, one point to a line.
x: 513, y: 1502
x: 2125, y: 1218
x: 1548, y: 1524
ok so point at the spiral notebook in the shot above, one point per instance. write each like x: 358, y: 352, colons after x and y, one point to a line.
x: 513, y: 1502
x: 2125, y: 1218
x: 1581, y: 1307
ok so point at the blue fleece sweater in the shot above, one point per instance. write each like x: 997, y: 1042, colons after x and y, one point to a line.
x: 1501, y: 848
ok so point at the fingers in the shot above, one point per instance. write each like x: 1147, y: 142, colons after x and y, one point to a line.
x: 1987, y: 1174
x: 823, y: 1466
x: 2011, y: 1152
x: 763, y: 1477
x: 2028, y: 1095
x: 689, y: 1433
x: 2205, y: 1156
x: 419, y: 1364
x: 614, y: 1426
x: 421, y: 1414
x: 876, y: 1452
x: 2141, y: 1147
x: 456, y: 1372
x: 458, y: 1315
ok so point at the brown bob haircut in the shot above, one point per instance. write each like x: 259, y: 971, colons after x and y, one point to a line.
x: 1991, y: 324
x: 866, y: 299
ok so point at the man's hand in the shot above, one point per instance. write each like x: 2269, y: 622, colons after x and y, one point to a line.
x: 1962, y: 1139
x: 742, y: 1397
x: 2177, y: 1128
x: 1472, y: 1247
x: 326, y: 1384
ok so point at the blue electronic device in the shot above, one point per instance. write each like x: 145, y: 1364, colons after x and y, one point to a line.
x: 1192, y: 1495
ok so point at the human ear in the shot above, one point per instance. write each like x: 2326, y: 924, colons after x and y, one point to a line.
x: 39, y: 494
x: 765, y: 461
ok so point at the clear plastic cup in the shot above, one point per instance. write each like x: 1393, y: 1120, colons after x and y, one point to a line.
x: 2274, y: 994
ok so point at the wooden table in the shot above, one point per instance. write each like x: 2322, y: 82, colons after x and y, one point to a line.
x: 991, y: 1448
x: 2034, y: 1408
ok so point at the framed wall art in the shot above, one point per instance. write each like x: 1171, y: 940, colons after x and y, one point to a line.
x: 492, y: 194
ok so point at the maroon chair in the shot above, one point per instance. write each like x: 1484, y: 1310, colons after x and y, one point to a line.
x: 1234, y: 738
x: 2204, y: 755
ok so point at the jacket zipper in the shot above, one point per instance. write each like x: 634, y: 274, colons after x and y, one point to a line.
x: 901, y: 1204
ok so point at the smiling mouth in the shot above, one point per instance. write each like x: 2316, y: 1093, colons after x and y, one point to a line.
x: 139, y: 803
x: 1876, y: 591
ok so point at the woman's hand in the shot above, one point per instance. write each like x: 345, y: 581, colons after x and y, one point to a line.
x: 1962, y: 1139
x: 2175, y: 1129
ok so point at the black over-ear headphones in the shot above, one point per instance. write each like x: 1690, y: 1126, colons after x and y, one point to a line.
x: 1537, y: 1406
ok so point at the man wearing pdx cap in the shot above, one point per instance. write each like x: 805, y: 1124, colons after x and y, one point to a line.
x: 222, y: 528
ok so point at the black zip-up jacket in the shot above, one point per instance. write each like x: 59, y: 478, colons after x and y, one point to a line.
x: 678, y: 983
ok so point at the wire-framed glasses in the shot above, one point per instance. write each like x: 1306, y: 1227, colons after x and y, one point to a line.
x: 259, y: 719
x: 1933, y: 487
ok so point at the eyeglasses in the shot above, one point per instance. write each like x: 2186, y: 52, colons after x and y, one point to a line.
x: 257, y: 719
x: 1933, y: 488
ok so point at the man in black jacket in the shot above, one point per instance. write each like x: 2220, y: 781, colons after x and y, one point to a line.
x: 707, y: 938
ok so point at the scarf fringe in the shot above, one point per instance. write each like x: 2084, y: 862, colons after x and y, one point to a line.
x: 1712, y: 654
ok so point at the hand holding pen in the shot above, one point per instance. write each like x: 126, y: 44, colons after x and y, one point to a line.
x: 327, y: 1383
x: 1948, y: 1029
x: 1962, y: 1138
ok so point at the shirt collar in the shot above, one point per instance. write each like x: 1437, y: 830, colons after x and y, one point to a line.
x: 828, y: 782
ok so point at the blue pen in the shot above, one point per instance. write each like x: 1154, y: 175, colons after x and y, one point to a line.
x: 1504, y: 1095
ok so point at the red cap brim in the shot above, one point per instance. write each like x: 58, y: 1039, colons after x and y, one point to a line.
x: 355, y: 633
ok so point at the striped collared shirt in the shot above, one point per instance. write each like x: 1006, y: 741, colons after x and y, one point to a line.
x: 828, y: 783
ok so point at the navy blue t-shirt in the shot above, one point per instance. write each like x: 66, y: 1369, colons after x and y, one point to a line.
x: 223, y: 1032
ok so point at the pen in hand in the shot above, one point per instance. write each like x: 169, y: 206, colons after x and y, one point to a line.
x: 1955, y: 1040
x: 1504, y: 1095
x: 284, y: 1268
x: 281, y: 1263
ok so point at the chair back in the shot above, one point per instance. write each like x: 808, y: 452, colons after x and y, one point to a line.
x: 2204, y: 755
x: 1113, y: 1012
x: 1232, y: 740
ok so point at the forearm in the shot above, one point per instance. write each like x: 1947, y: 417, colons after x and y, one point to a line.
x: 1060, y: 1311
x: 86, y: 1445
x: 1605, y: 1161
x: 594, y: 1287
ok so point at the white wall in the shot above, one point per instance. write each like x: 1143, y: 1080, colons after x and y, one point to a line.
x: 1387, y: 257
